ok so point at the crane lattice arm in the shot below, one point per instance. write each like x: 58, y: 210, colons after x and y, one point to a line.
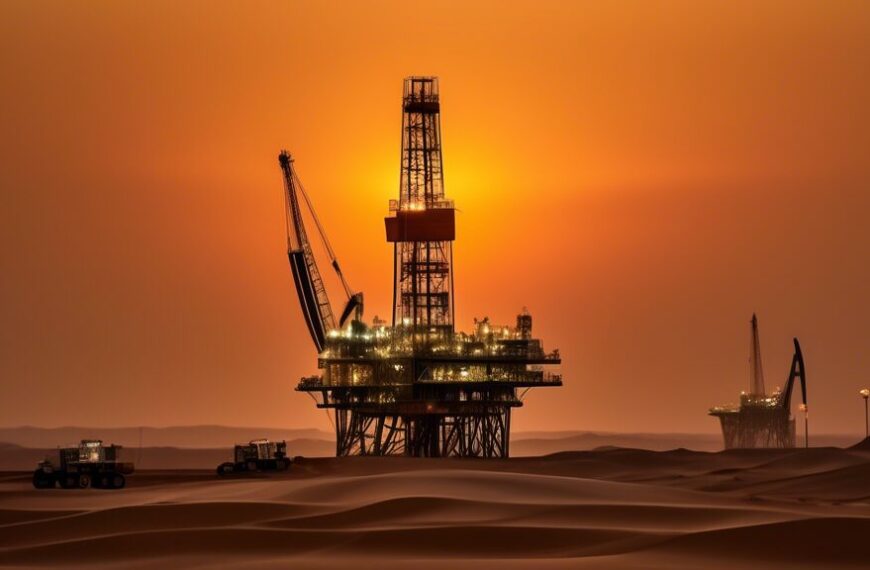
x: 316, y: 307
x: 796, y: 372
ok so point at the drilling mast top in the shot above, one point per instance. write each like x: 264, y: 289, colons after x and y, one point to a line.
x: 756, y: 373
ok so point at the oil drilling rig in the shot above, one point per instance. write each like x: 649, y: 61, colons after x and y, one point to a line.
x: 763, y: 420
x: 415, y: 386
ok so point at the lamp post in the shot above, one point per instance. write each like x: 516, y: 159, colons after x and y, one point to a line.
x: 803, y: 408
x: 865, y: 393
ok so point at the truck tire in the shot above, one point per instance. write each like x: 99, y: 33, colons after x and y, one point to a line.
x: 225, y: 469
x: 84, y: 481
x: 117, y: 481
x: 251, y: 465
x: 102, y: 481
x: 68, y: 481
x: 282, y: 464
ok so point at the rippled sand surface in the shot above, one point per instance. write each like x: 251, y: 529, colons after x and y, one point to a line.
x: 609, y: 508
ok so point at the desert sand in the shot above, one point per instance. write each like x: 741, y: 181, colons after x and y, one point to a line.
x: 607, y: 508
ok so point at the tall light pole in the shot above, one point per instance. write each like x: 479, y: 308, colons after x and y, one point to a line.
x: 865, y: 393
x: 803, y: 408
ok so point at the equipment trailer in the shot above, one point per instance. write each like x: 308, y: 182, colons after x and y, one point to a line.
x: 258, y: 455
x: 91, y: 464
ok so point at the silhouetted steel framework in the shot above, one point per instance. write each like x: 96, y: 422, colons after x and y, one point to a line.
x: 422, y: 228
x: 761, y: 420
x: 416, y: 387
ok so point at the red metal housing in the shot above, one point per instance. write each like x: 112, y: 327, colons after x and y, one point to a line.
x: 424, y: 225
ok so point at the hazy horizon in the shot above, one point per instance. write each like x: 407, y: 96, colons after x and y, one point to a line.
x: 329, y: 431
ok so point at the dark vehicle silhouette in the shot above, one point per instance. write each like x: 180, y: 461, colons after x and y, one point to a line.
x: 90, y: 464
x: 258, y: 455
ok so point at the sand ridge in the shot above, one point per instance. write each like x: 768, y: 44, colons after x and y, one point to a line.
x: 610, y: 508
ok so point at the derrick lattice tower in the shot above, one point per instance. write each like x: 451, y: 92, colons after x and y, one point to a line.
x: 422, y: 226
x: 756, y: 372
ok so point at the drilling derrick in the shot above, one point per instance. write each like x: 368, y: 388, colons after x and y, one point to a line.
x: 422, y: 227
x: 416, y: 386
x: 756, y: 372
x: 762, y: 420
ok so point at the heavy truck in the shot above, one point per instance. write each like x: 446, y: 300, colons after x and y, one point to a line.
x: 257, y: 455
x: 90, y: 464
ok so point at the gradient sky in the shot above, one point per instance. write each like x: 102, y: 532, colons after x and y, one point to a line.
x: 641, y: 175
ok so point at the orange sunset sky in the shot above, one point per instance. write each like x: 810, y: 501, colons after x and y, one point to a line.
x: 641, y: 175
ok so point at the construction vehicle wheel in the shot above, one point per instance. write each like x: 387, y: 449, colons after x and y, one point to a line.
x: 225, y: 469
x: 69, y: 482
x: 117, y: 481
x: 84, y: 481
x: 252, y: 465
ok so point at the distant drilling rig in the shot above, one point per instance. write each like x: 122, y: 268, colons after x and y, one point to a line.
x: 416, y: 387
x: 762, y: 420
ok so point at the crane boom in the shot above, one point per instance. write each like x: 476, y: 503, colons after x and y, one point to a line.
x: 306, y: 276
x: 797, y: 372
x: 316, y: 307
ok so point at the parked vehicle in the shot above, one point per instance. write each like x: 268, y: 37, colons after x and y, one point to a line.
x: 258, y: 455
x: 91, y: 464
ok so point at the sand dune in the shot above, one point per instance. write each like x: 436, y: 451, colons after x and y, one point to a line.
x: 612, y: 508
